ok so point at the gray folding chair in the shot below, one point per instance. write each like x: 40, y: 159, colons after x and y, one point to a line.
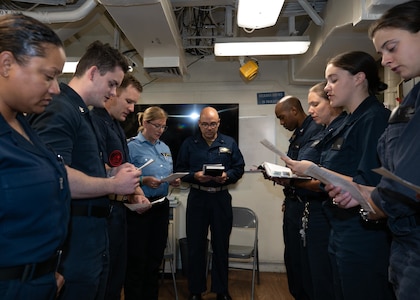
x: 169, y: 255
x: 244, y: 219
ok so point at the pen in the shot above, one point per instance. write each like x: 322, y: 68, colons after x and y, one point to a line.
x: 146, y: 164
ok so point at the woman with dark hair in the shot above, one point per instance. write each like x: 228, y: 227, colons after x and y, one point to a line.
x: 359, y: 251
x: 396, y: 36
x: 34, y: 190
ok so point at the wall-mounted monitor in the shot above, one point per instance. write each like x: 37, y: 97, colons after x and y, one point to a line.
x: 183, y: 122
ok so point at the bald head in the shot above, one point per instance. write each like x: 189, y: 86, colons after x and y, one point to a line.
x: 289, y: 102
x: 209, y: 112
x: 209, y: 123
x: 290, y: 112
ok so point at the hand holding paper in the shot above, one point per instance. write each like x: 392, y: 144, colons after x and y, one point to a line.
x: 137, y: 206
x: 328, y: 177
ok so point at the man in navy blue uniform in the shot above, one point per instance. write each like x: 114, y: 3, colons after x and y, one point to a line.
x: 290, y: 113
x: 209, y: 202
x: 66, y: 126
x: 113, y: 143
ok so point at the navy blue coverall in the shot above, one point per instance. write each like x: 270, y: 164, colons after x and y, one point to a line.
x: 209, y: 208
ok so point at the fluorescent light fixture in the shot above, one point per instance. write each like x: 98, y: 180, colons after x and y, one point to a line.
x: 70, y: 66
x: 253, y: 14
x: 286, y: 45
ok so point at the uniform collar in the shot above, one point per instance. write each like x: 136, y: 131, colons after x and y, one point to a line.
x: 74, y: 98
x: 140, y: 137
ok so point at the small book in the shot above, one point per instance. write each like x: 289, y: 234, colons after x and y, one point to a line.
x: 213, y: 170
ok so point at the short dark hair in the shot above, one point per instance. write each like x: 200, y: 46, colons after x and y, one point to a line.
x: 103, y: 56
x: 130, y: 80
x: 25, y: 37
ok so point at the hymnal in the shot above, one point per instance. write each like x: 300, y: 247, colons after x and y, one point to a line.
x: 213, y: 170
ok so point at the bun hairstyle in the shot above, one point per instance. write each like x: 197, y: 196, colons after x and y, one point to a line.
x: 150, y: 114
x: 359, y: 61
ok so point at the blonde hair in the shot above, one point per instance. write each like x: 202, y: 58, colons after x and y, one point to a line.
x: 150, y: 114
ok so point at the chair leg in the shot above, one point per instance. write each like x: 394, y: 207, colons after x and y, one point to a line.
x: 163, y: 271
x: 258, y: 266
x: 254, y: 268
x: 173, y: 278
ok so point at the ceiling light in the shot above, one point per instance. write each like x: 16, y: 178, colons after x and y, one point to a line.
x: 254, y: 14
x: 286, y: 45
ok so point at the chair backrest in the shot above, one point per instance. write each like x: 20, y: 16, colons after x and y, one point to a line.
x: 244, y: 217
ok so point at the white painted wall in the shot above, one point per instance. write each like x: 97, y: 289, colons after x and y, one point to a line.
x: 211, y: 82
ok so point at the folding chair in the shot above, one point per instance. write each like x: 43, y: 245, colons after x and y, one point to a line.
x: 169, y: 255
x: 244, y: 219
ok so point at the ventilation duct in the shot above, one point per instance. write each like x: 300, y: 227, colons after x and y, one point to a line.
x: 345, y: 29
x: 151, y: 28
x: 162, y: 66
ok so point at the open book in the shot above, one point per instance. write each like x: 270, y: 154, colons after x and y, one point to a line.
x: 327, y: 177
x: 274, y: 170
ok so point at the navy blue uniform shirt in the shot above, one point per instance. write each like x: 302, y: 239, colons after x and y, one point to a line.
x: 195, y: 152
x: 349, y: 149
x: 66, y: 127
x: 110, y: 133
x: 399, y: 149
x: 34, y: 198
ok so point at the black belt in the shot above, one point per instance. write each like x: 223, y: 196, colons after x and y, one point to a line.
x: 209, y: 189
x: 31, y: 271
x: 91, y: 211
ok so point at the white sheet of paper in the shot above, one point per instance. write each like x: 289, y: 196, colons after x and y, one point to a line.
x: 273, y: 148
x: 330, y: 178
x: 174, y: 176
x: 136, y: 206
x: 388, y: 174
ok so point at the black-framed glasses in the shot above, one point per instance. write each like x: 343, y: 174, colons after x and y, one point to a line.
x: 157, y: 126
x: 209, y: 125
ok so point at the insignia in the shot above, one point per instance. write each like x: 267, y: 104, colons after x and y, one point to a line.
x: 224, y: 150
x: 115, y: 158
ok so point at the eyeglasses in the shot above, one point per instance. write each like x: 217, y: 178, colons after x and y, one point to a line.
x: 209, y: 125
x: 157, y: 126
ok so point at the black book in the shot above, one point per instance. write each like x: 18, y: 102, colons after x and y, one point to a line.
x: 213, y: 170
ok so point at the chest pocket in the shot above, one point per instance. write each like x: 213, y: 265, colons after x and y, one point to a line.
x: 338, y: 144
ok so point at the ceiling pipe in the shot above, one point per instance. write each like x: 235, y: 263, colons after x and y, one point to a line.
x: 60, y: 16
x: 311, y: 12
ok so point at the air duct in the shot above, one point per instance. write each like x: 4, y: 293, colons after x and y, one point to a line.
x: 345, y: 29
x: 59, y: 16
x: 151, y: 28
